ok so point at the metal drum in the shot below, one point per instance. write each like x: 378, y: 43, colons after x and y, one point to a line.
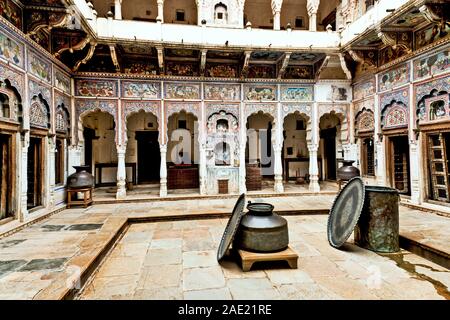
x: 81, y: 178
x: 378, y: 226
x: 261, y: 230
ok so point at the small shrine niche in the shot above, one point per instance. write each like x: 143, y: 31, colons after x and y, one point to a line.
x: 222, y: 154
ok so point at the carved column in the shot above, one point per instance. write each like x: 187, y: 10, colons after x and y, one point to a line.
x: 276, y: 11
x: 312, y: 6
x: 121, y: 172
x: 160, y: 16
x: 163, y: 171
x: 51, y: 171
x: 24, y: 176
x: 118, y: 9
x: 202, y: 154
x: 313, y: 167
x: 278, y: 168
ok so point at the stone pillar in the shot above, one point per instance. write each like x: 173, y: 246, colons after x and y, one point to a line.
x: 160, y: 16
x: 312, y: 6
x: 51, y: 171
x: 24, y: 176
x: 118, y: 9
x: 202, y: 168
x: 163, y: 171
x: 242, y: 172
x: 414, y: 163
x: 278, y: 168
x: 121, y: 173
x: 276, y: 11
x: 313, y: 167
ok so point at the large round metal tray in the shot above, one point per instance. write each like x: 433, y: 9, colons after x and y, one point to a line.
x: 232, y: 226
x: 345, y: 212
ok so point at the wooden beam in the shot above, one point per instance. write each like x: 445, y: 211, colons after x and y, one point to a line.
x: 114, y: 59
x: 203, y: 62
x: 284, y: 64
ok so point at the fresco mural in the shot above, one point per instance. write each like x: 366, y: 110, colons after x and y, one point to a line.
x: 144, y: 90
x: 432, y: 98
x: 393, y: 78
x: 289, y: 93
x: 181, y: 69
x: 431, y: 34
x: 95, y: 88
x: 11, y: 50
x: 140, y: 68
x: 221, y: 70
x: 222, y: 91
x: 364, y: 89
x: 389, y: 54
x: 256, y: 93
x: 433, y: 64
x: 263, y: 71
x: 11, y: 12
x: 299, y: 72
x: 62, y: 81
x: 338, y: 94
x: 176, y: 90
x: 39, y: 67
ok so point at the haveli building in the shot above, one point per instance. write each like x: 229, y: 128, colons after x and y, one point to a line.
x: 109, y: 83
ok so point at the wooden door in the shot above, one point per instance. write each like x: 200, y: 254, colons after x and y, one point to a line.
x: 438, y: 166
x: 149, y: 156
x: 34, y: 173
x: 5, y: 176
x: 399, y: 154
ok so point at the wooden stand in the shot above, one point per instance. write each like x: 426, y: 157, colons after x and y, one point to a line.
x: 87, y: 197
x: 248, y: 258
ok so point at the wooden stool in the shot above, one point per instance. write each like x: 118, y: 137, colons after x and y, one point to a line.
x: 87, y: 197
x: 248, y: 258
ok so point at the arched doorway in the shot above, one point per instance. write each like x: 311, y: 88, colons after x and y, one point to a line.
x: 330, y: 144
x: 143, y: 149
x: 259, y: 153
x: 182, y: 152
x: 37, y: 151
x: 295, y: 154
x: 10, y: 123
x: 183, y: 12
x: 62, y: 141
x: 100, y: 152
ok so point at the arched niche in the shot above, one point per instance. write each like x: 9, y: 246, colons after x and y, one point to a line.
x: 364, y: 121
x: 433, y: 106
x: 39, y: 113
x: 394, y: 115
x: 10, y: 103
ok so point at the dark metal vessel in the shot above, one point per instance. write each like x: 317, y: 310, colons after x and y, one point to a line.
x: 347, y: 171
x: 378, y: 225
x: 261, y: 230
x: 81, y: 178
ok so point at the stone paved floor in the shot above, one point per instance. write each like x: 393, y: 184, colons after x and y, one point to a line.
x: 43, y: 260
x: 177, y: 260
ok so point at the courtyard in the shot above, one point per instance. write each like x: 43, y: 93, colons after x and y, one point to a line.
x: 165, y: 250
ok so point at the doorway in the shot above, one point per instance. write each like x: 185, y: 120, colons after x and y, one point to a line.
x: 329, y: 147
x: 6, y: 177
x: 89, y: 135
x: 34, y: 173
x: 399, y: 164
x: 438, y: 166
x: 149, y: 156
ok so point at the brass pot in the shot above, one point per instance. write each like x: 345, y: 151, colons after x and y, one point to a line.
x: 347, y: 171
x: 261, y: 230
x: 81, y: 178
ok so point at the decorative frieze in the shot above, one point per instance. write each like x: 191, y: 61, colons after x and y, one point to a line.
x: 130, y: 107
x: 38, y: 67
x: 260, y: 92
x: 398, y: 95
x: 214, y: 107
x: 180, y: 90
x: 221, y: 91
x: 61, y: 81
x: 84, y: 106
x: 432, y: 64
x: 296, y: 93
x: 393, y: 78
x: 288, y: 108
x: 11, y: 50
x: 253, y: 108
x: 141, y: 89
x: 363, y: 89
x: 95, y: 88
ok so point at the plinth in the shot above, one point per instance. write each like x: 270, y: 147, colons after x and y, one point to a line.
x: 249, y: 258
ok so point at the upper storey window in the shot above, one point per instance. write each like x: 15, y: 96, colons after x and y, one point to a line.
x: 220, y: 13
x: 179, y: 15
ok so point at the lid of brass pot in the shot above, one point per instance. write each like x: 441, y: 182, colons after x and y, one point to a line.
x: 345, y: 212
x: 232, y: 226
